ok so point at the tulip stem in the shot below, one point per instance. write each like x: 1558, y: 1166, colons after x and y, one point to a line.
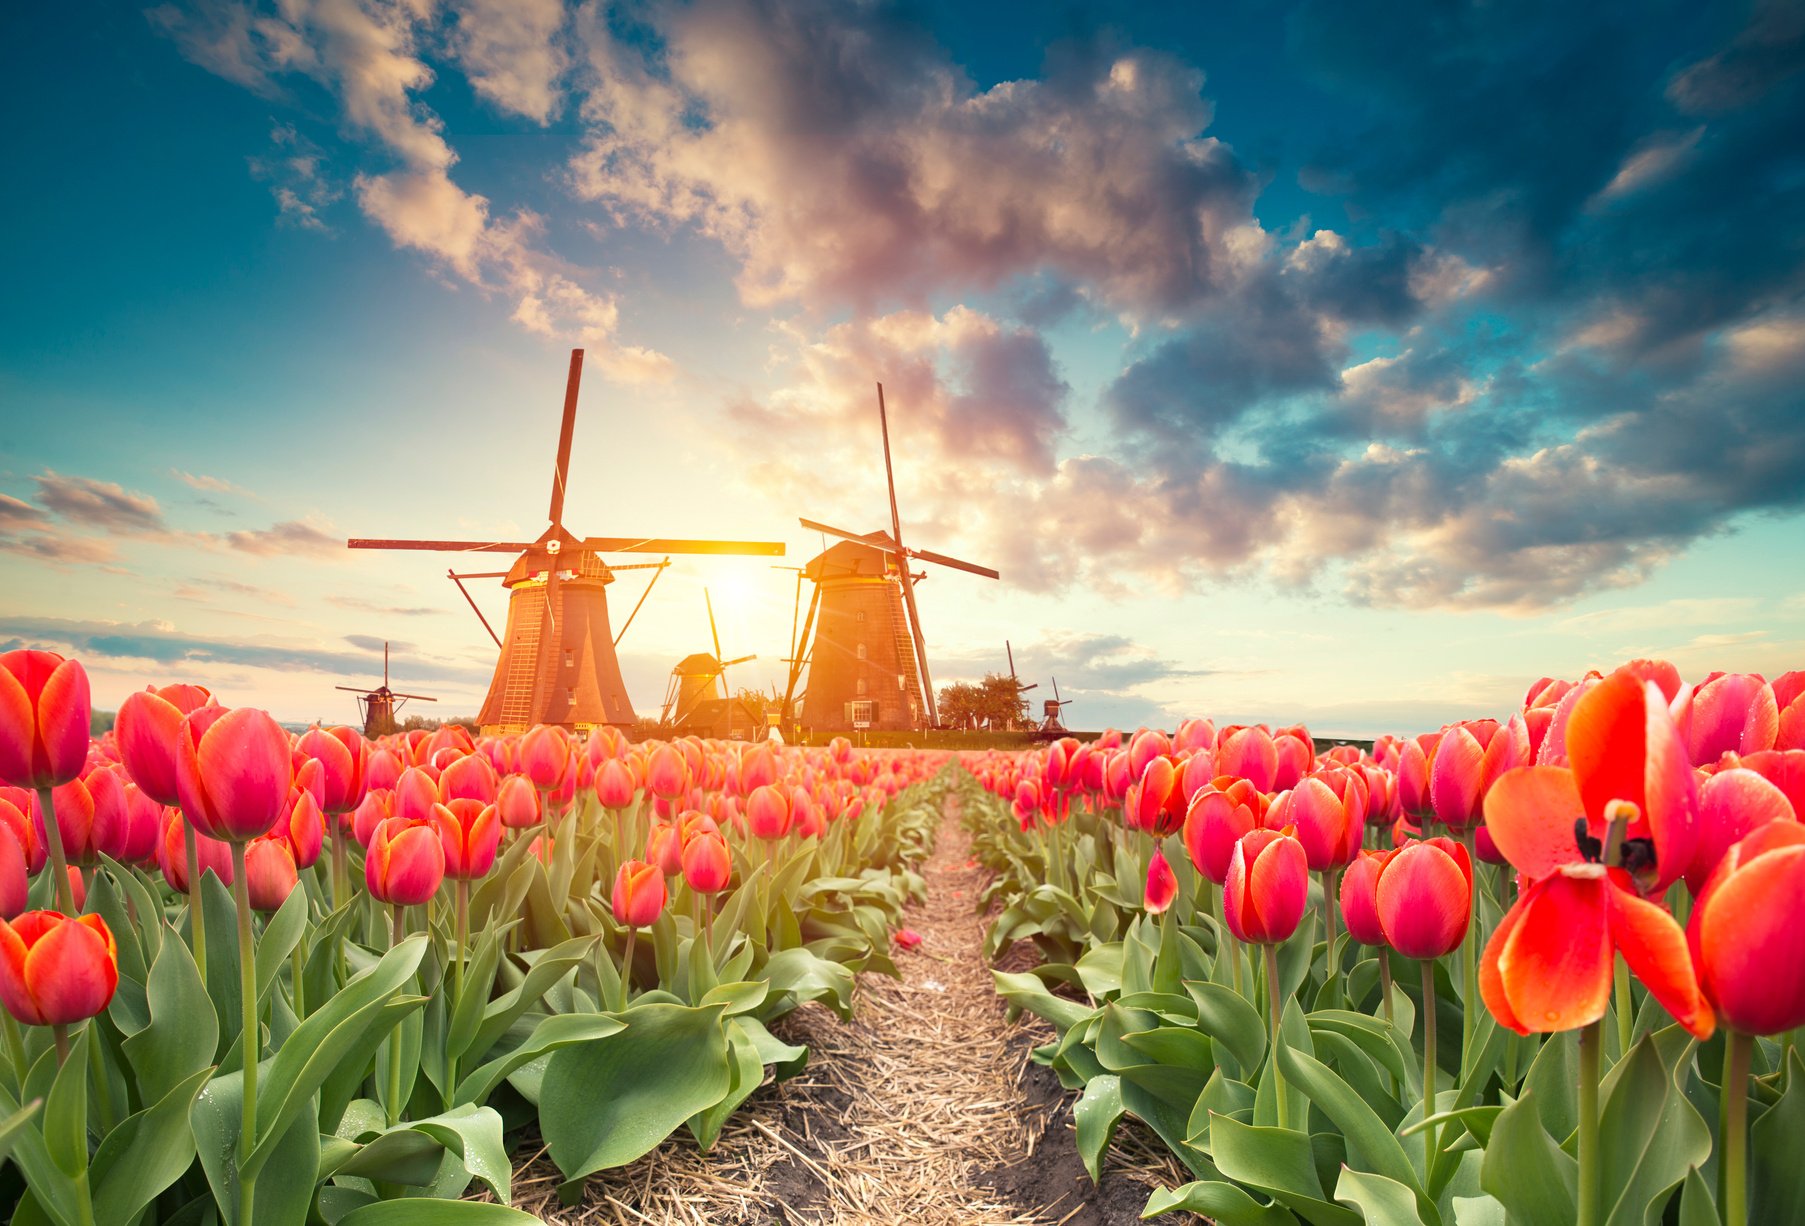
x: 1736, y: 1130
x: 59, y: 863
x: 1590, y: 1061
x: 60, y: 1033
x: 103, y: 1091
x: 1429, y: 1067
x: 397, y: 929
x: 15, y: 1047
x: 1385, y: 985
x: 626, y: 970
x: 1329, y: 907
x: 251, y: 1038
x: 341, y: 873
x: 458, y: 958
x: 197, y: 917
x: 297, y: 968
x: 1626, y: 1013
x: 1276, y: 1010
x: 1469, y: 965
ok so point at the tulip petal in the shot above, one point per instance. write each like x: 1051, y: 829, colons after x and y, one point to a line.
x: 1425, y: 902
x: 1555, y: 966
x: 1491, y: 980
x: 1530, y: 813
x: 1655, y: 948
x: 1751, y: 942
x: 1606, y: 743
x: 69, y: 973
x: 1454, y: 777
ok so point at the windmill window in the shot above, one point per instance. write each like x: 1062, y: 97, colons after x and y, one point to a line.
x: 861, y: 615
x: 861, y: 688
x: 861, y: 651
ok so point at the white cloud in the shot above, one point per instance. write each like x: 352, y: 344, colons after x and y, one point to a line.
x: 510, y: 52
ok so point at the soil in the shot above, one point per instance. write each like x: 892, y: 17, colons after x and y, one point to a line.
x: 925, y: 1109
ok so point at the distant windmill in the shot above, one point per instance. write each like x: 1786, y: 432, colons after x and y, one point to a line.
x: 558, y: 663
x: 698, y: 699
x: 867, y: 661
x: 1050, y: 709
x: 378, y: 706
x: 1020, y: 689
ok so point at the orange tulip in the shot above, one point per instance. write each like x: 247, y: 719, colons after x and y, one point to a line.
x: 470, y: 832
x: 1329, y: 833
x: 638, y: 894
x: 416, y: 792
x: 15, y: 882
x: 145, y: 730
x: 406, y: 862
x: 469, y: 778
x: 1214, y: 823
x: 233, y: 771
x: 1162, y: 885
x: 1424, y: 898
x: 1748, y: 931
x: 545, y: 756
x: 343, y: 755
x: 615, y: 785
x: 667, y: 772
x: 707, y: 867
x: 517, y: 802
x: 1360, y: 897
x: 172, y: 857
x: 768, y: 812
x: 269, y: 871
x: 1268, y: 885
x: 44, y: 715
x: 55, y: 970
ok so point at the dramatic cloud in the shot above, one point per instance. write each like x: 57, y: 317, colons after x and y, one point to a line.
x: 100, y: 504
x: 368, y: 56
x: 840, y: 155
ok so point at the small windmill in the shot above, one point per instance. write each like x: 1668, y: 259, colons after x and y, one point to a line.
x: 1050, y: 709
x: 867, y: 660
x: 558, y: 663
x: 698, y: 698
x: 378, y: 706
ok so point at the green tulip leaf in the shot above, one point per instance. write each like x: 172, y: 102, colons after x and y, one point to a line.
x: 435, y: 1213
x: 552, y: 1033
x: 1526, y: 1171
x: 284, y: 1189
x: 1650, y: 1136
x: 182, y: 1035
x: 148, y: 1151
x: 748, y: 1073
x: 1776, y: 1176
x: 1223, y: 1203
x: 547, y: 969
x: 1698, y: 1203
x: 66, y: 1109
x: 1278, y: 1162
x: 1229, y: 1020
x: 1096, y: 1113
x: 1371, y: 1145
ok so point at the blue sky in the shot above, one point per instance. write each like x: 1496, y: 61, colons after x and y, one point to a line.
x: 1351, y: 363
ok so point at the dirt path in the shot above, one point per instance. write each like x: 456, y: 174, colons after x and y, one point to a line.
x: 926, y: 1109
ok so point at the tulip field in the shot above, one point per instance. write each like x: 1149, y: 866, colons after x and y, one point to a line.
x: 1544, y: 970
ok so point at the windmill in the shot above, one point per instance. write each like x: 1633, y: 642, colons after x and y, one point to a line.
x: 867, y: 660
x: 1050, y: 708
x: 557, y: 662
x: 378, y: 706
x: 698, y: 699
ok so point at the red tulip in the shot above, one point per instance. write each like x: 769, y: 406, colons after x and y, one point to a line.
x: 638, y: 894
x: 172, y: 853
x: 44, y: 717
x: 545, y: 756
x: 470, y: 832
x: 1214, y: 824
x: 233, y: 772
x: 1320, y: 821
x: 56, y: 970
x: 667, y: 772
x: 1248, y: 753
x: 1294, y: 756
x: 1789, y: 696
x: 343, y: 755
x: 143, y: 823
x: 1148, y: 744
x: 1413, y: 778
x: 768, y: 813
x: 615, y: 785
x: 19, y: 813
x: 269, y: 871
x: 706, y: 865
x: 406, y: 862
x: 416, y: 792
x: 145, y: 730
x: 1360, y: 897
x: 1731, y: 804
x: 1748, y: 932
x: 75, y: 813
x: 1162, y: 885
x: 1425, y: 898
x: 1730, y: 712
x: 1785, y: 769
x: 469, y: 778
x: 1267, y: 887
x: 383, y: 769
x: 517, y: 802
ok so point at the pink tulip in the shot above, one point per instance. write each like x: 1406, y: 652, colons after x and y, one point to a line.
x: 44, y: 717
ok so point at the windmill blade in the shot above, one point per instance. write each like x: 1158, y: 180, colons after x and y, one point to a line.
x: 644, y: 544
x: 726, y: 664
x: 883, y: 421
x: 565, y: 430
x: 712, y: 632
x: 360, y: 542
x: 941, y: 559
x: 353, y: 689
x: 416, y: 697
x: 843, y: 534
x: 657, y: 570
x: 474, y: 608
x: 921, y: 649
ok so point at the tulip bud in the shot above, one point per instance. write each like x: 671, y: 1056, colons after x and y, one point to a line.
x: 768, y: 812
x: 343, y: 756
x: 172, y: 853
x: 1267, y: 887
x: 517, y: 803
x: 470, y: 833
x: 269, y: 871
x: 664, y: 847
x: 707, y: 866
x: 469, y: 778
x: 56, y: 970
x: 1746, y: 931
x: 44, y: 716
x: 1248, y: 753
x: 19, y: 814
x: 406, y: 862
x: 545, y: 756
x: 1162, y: 885
x: 1425, y: 898
x: 615, y: 786
x: 233, y: 772
x: 667, y: 772
x: 1214, y: 823
x: 145, y: 730
x: 1359, y: 897
x: 15, y: 882
x: 638, y: 894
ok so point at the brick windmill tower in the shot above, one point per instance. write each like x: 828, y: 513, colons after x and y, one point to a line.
x: 558, y: 663
x: 862, y: 644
